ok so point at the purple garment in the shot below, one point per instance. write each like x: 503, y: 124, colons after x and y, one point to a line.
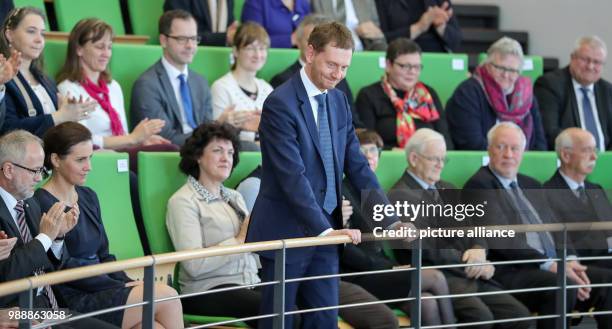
x: 278, y: 21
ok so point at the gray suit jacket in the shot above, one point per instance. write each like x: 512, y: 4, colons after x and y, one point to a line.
x: 364, y: 9
x: 153, y: 98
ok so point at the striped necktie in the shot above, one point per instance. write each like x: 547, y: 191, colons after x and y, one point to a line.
x: 26, y: 236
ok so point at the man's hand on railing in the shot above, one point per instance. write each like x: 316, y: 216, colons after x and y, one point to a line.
x: 355, y: 235
x: 577, y: 273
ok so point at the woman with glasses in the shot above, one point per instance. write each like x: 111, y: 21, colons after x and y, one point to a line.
x: 85, y: 75
x: 31, y: 97
x: 496, y: 92
x: 238, y: 96
x: 370, y: 256
x: 400, y: 104
x: 68, y: 152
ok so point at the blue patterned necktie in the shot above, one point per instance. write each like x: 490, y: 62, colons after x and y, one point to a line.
x: 186, y: 98
x: 26, y: 237
x: 529, y: 216
x: 327, y: 153
x: 589, y: 117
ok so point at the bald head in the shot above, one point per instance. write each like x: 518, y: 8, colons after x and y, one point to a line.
x: 577, y: 151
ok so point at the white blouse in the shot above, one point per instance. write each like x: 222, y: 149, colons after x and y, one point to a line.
x: 226, y: 91
x: 44, y: 98
x: 98, y: 122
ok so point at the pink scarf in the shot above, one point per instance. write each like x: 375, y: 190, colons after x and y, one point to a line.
x: 100, y: 93
x: 516, y: 107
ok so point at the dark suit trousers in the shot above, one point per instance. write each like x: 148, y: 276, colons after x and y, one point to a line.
x: 323, y: 260
x: 601, y: 298
x: 485, y: 308
x: 87, y: 323
x: 542, y: 302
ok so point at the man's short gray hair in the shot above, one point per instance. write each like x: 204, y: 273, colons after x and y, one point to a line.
x: 591, y: 41
x: 312, y: 19
x: 565, y: 139
x: 13, y: 144
x: 504, y: 47
x: 505, y: 124
x: 419, y: 140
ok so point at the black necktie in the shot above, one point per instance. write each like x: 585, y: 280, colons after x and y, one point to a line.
x: 582, y: 196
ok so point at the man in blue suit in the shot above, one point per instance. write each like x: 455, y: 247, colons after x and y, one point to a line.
x: 307, y: 143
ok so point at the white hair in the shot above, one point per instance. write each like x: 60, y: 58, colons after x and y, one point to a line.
x: 504, y: 47
x: 13, y: 144
x: 565, y: 139
x: 419, y: 140
x: 505, y: 124
x: 591, y: 41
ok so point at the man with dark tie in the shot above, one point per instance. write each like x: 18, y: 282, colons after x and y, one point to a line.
x: 574, y: 199
x: 307, y: 143
x: 577, y: 96
x: 169, y: 90
x: 426, y: 157
x: 514, y: 199
x: 40, y: 238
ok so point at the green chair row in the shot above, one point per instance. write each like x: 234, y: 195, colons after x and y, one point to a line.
x: 443, y: 71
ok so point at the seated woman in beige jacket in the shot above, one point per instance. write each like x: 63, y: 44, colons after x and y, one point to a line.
x: 203, y: 213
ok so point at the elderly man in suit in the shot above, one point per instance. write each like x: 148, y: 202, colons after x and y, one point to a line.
x: 426, y: 157
x: 307, y: 143
x: 515, y: 199
x: 169, y: 90
x: 40, y: 238
x: 577, y: 95
x: 574, y: 199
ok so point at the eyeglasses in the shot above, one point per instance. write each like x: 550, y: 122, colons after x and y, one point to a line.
x: 504, y: 69
x: 441, y: 160
x: 409, y: 67
x: 34, y: 172
x: 505, y: 147
x: 588, y: 60
x: 183, y: 40
x: 370, y: 150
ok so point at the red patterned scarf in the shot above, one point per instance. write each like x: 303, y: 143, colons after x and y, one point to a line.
x: 100, y: 93
x: 417, y: 104
x: 515, y: 107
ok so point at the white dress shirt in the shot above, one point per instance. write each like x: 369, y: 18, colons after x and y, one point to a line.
x: 173, y: 74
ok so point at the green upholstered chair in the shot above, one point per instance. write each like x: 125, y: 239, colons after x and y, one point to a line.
x: 212, y: 62
x: 278, y: 60
x: 533, y: 66
x: 110, y: 179
x: 69, y: 12
x: 391, y: 167
x: 129, y: 61
x: 40, y: 4
x: 144, y: 16
x: 539, y: 165
x: 602, y: 175
x: 55, y: 56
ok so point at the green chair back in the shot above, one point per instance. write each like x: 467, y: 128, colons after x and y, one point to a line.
x: 533, y: 66
x: 539, y: 165
x: 144, y: 16
x: 126, y: 71
x: 238, y: 4
x: 278, y: 60
x: 40, y: 4
x: 391, y: 167
x: 69, y: 12
x: 55, y: 56
x: 444, y: 72
x: 212, y: 62
x: 110, y: 179
x: 248, y: 162
x: 601, y: 175
x: 461, y: 166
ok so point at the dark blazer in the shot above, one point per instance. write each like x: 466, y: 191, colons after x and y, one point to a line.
x: 87, y: 242
x: 26, y: 259
x: 293, y: 185
x: 200, y: 11
x: 278, y: 21
x: 378, y: 114
x: 396, y: 16
x: 555, y: 93
x: 343, y: 86
x: 153, y: 97
x: 470, y: 116
x: 501, y: 211
x: 567, y: 207
x: 17, y: 116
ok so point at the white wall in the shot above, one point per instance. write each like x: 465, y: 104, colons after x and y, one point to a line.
x: 554, y: 25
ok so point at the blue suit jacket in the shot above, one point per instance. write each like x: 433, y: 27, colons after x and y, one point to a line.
x: 289, y: 203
